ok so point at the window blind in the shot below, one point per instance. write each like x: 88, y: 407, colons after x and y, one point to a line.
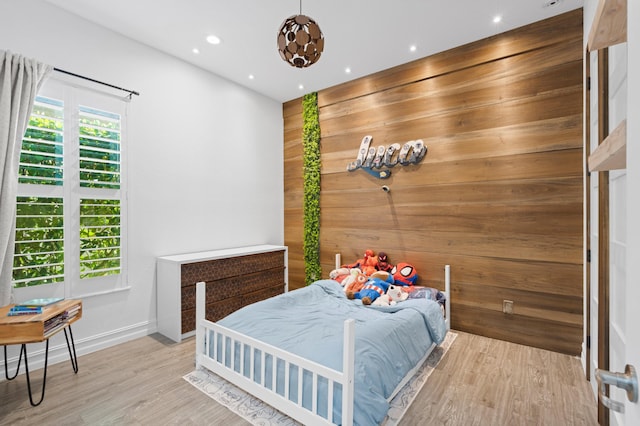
x: 99, y: 237
x: 41, y: 156
x: 99, y: 148
x: 39, y: 249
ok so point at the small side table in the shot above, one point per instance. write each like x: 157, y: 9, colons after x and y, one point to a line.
x: 23, y: 329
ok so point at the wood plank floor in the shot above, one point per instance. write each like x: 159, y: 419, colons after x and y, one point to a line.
x: 480, y: 381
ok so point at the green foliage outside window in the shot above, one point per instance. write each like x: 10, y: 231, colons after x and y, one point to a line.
x: 99, y: 149
x: 42, y: 149
x: 39, y: 248
x: 311, y: 173
x: 99, y: 238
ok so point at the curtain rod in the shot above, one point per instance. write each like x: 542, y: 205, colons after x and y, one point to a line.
x: 131, y: 92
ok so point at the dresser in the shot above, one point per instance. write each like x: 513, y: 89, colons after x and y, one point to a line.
x: 234, y: 277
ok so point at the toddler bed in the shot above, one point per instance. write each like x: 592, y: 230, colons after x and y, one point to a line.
x: 299, y: 352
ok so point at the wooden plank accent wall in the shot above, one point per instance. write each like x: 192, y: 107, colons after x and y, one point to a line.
x: 499, y: 195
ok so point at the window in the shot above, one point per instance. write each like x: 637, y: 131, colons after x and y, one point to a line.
x: 70, y: 222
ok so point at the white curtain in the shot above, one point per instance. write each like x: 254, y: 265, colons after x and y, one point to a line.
x: 20, y: 79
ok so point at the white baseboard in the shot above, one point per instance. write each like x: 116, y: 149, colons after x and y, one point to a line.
x: 58, y: 351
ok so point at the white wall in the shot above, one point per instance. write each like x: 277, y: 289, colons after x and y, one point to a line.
x: 205, y: 158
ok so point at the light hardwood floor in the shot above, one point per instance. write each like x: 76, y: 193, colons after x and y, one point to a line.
x: 480, y: 381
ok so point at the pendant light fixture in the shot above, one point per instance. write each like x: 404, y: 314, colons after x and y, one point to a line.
x: 300, y: 41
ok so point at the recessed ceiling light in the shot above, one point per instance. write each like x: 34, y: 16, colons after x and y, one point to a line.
x: 347, y: 70
x: 251, y: 77
x: 300, y: 86
x: 195, y: 50
x: 213, y: 39
x: 413, y: 48
x: 497, y: 19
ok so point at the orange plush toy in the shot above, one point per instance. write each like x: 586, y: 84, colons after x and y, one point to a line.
x: 352, y: 279
x: 355, y: 281
x: 368, y: 264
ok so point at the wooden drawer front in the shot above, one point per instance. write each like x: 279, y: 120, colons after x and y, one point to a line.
x: 221, y: 308
x: 218, y: 269
x: 234, y: 286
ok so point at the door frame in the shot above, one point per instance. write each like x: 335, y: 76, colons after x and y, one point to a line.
x: 603, y: 230
x: 587, y: 204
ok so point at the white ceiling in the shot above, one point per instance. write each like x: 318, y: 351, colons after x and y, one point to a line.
x: 364, y: 35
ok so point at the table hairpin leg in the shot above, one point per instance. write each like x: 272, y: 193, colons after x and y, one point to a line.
x: 23, y: 351
x: 6, y: 369
x: 44, y: 377
x: 73, y: 357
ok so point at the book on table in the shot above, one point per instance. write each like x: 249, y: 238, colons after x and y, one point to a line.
x: 40, y: 302
x: 33, y: 306
x: 24, y: 310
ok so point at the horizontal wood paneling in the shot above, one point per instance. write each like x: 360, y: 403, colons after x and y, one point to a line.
x: 461, y: 120
x: 562, y: 29
x: 498, y: 196
x: 556, y: 336
x: 432, y: 99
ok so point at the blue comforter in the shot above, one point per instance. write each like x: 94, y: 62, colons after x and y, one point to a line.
x: 390, y: 340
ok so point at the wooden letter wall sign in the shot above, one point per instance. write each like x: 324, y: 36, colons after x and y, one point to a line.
x: 370, y: 158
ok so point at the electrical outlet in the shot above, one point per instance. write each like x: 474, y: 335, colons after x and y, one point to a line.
x: 507, y: 306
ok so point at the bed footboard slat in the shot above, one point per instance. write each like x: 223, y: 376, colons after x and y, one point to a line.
x: 330, y: 398
x: 274, y: 366
x: 287, y: 371
x: 251, y: 364
x: 300, y: 375
x: 314, y: 394
x: 263, y: 368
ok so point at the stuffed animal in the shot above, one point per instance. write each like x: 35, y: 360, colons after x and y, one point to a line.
x: 373, y: 288
x: 384, y: 276
x: 351, y: 279
x: 393, y: 295
x: 383, y: 262
x: 355, y: 281
x: 367, y: 264
x: 404, y: 274
x: 340, y: 274
x: 383, y: 300
x: 397, y: 294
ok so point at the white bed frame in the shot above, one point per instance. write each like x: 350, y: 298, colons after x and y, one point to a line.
x: 244, y: 379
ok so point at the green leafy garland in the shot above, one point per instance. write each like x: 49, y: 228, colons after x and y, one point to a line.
x: 311, y: 171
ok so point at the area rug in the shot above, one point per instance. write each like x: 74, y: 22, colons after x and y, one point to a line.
x: 258, y: 413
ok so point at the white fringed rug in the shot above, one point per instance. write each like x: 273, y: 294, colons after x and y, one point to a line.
x: 258, y: 413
